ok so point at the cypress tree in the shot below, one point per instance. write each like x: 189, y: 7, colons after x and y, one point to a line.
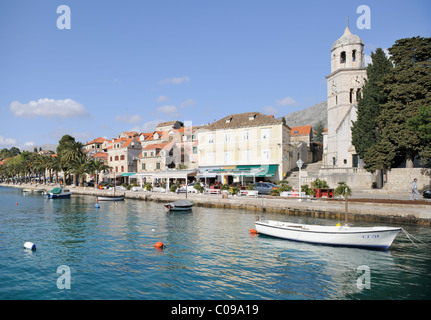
x: 407, y: 87
x: 365, y: 131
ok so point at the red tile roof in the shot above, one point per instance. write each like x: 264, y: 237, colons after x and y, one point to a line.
x: 300, y: 130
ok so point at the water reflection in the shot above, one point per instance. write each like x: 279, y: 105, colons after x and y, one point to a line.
x: 209, y: 254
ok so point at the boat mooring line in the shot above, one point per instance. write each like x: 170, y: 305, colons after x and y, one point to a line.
x: 408, y: 236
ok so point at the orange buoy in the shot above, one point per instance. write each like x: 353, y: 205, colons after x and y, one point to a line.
x: 17, y: 203
x: 253, y: 231
x: 159, y: 245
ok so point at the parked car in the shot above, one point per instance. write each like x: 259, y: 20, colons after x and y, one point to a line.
x: 427, y: 194
x: 191, y: 188
x: 265, y: 187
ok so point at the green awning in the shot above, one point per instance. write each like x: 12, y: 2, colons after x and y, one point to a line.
x: 128, y: 174
x: 266, y: 170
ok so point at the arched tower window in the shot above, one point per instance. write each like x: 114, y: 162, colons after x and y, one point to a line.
x: 354, y: 55
x: 351, y: 96
x: 343, y: 57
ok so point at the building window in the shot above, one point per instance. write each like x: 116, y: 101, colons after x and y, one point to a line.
x: 110, y: 158
x: 354, y: 55
x: 158, y: 165
x: 228, y: 156
x: 210, y: 157
x: 334, y: 161
x: 266, y: 154
x: 245, y: 155
x: 116, y: 158
x: 228, y: 137
x: 116, y: 169
x: 211, y: 138
x: 245, y: 135
x: 122, y: 157
x: 343, y: 57
x: 143, y: 166
x: 195, y: 150
x: 358, y: 94
x: 265, y: 134
x: 351, y: 96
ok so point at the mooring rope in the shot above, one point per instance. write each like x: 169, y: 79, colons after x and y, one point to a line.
x: 408, y: 236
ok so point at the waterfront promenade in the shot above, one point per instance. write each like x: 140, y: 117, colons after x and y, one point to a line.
x: 362, y: 206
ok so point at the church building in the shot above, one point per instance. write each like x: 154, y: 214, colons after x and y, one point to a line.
x: 344, y: 85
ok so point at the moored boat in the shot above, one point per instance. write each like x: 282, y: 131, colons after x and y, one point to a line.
x: 59, y: 193
x: 111, y: 198
x: 180, y: 205
x: 366, y: 237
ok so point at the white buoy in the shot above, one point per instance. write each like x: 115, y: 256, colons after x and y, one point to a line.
x: 30, y: 246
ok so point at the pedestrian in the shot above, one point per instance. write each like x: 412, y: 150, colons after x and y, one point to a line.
x: 415, y: 189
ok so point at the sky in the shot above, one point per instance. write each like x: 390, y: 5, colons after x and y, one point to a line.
x: 129, y: 65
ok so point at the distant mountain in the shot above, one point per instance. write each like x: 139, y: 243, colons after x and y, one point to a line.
x: 47, y: 146
x: 309, y: 116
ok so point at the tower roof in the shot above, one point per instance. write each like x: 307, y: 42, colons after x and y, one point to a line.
x: 347, y: 38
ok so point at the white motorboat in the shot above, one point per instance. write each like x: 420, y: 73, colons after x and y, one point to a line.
x: 367, y: 237
x: 59, y: 193
x: 111, y: 198
x: 180, y: 205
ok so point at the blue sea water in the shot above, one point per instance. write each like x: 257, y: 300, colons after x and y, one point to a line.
x: 209, y: 254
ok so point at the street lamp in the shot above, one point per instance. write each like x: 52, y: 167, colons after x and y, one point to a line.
x: 299, y: 163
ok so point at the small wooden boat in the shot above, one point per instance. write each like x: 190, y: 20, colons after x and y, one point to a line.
x: 367, y: 237
x: 111, y: 198
x: 58, y: 193
x: 180, y: 205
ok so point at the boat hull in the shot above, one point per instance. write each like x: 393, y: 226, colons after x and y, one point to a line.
x: 110, y: 198
x: 178, y: 208
x: 366, y: 237
x: 181, y: 205
x: 59, y: 196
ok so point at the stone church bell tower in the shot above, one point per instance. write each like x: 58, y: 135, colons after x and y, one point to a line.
x: 344, y: 85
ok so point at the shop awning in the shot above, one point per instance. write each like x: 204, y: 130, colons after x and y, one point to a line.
x: 265, y: 170
x: 128, y: 174
x: 240, y: 170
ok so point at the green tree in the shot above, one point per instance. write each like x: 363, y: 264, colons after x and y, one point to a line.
x: 421, y: 123
x: 80, y: 166
x: 69, y: 150
x: 365, y: 131
x: 407, y: 87
x: 96, y: 167
x: 320, y: 127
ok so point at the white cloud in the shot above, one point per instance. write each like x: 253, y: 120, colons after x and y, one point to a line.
x: 270, y: 110
x: 129, y: 119
x: 48, y: 108
x: 169, y: 110
x: 7, y: 142
x: 288, y: 101
x: 150, y: 126
x: 29, y: 144
x: 188, y: 103
x: 162, y: 99
x: 175, y: 80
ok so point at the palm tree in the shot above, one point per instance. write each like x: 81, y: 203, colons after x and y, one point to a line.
x: 80, y: 166
x: 54, y: 163
x: 96, y: 167
x: 72, y: 151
